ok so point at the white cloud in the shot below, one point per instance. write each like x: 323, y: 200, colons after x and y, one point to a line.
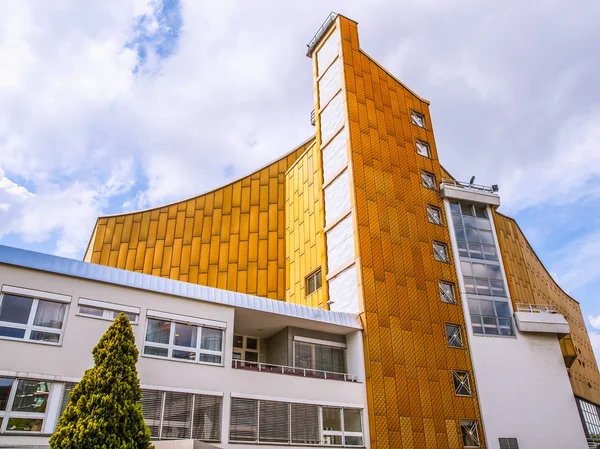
x: 594, y: 321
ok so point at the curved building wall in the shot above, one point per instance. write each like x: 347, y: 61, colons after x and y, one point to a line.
x: 231, y: 238
x: 530, y: 282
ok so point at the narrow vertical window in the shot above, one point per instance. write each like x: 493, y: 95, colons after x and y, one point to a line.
x: 454, y: 336
x: 447, y: 292
x: 313, y: 282
x: 428, y: 180
x: 417, y: 119
x: 434, y: 214
x: 470, y: 433
x: 440, y: 252
x: 462, y: 385
x: 423, y: 148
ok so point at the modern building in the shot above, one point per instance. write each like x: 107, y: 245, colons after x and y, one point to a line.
x: 350, y: 293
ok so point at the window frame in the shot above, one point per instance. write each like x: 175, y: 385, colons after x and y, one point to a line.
x: 452, y: 290
x: 457, y: 327
x: 108, y: 309
x: 426, y: 146
x: 309, y: 278
x: 507, y: 443
x: 430, y: 176
x: 466, y: 383
x: 170, y: 347
x: 313, y: 352
x: 471, y: 422
x: 244, y: 349
x: 437, y: 244
x: 29, y: 327
x: 414, y: 114
x: 341, y: 433
x: 431, y: 207
x: 7, y: 414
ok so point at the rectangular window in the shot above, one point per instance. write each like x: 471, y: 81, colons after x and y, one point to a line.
x: 423, y: 148
x: 417, y: 119
x: 32, y: 319
x: 483, y: 279
x: 176, y: 415
x: 319, y: 357
x: 508, y: 443
x: 473, y: 231
x: 183, y: 341
x: 591, y: 416
x: 462, y: 385
x: 246, y: 348
x: 490, y: 317
x: 313, y: 282
x: 470, y: 433
x: 447, y: 292
x: 106, y: 311
x: 23, y: 404
x: 440, y: 252
x: 262, y: 421
x: 454, y: 336
x: 428, y: 180
x: 434, y: 214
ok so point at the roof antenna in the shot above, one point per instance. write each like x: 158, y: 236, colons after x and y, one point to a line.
x: 472, y: 180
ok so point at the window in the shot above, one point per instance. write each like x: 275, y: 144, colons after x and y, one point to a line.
x: 434, y: 214
x: 246, y: 348
x: 508, y: 443
x: 470, y: 433
x: 262, y: 421
x: 454, y: 336
x: 440, y: 252
x: 447, y: 292
x: 428, y: 180
x: 176, y: 415
x: 313, y: 282
x: 589, y: 412
x: 183, y: 341
x: 490, y: 317
x: 319, y: 357
x: 417, y: 119
x: 23, y: 404
x: 483, y: 279
x: 106, y: 310
x: 473, y: 231
x: 423, y: 148
x: 462, y: 386
x: 31, y: 319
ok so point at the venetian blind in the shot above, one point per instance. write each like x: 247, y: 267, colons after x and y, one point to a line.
x: 177, y: 417
x: 274, y: 425
x: 244, y: 420
x: 305, y: 424
x: 207, y: 418
x: 151, y: 409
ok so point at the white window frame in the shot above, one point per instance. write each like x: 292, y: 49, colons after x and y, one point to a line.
x: 318, y: 342
x: 312, y: 277
x: 108, y: 309
x: 438, y: 247
x: 415, y: 117
x: 7, y: 414
x: 474, y: 427
x: 244, y: 349
x: 430, y: 176
x: 456, y: 336
x: 341, y: 433
x: 466, y: 383
x: 29, y: 327
x: 443, y: 294
x: 423, y: 148
x: 172, y: 347
x: 432, y: 208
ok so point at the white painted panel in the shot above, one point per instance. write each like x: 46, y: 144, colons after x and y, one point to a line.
x: 340, y: 245
x: 343, y: 291
x: 330, y: 83
x: 335, y: 155
x: 337, y: 198
x: 328, y: 51
x: 332, y: 118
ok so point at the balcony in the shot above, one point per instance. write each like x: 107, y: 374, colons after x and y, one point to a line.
x: 540, y: 318
x: 470, y: 192
x: 292, y: 371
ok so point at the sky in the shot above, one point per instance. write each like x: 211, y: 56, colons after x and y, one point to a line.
x: 118, y: 105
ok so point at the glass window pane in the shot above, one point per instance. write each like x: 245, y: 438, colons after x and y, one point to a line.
x: 15, y: 309
x: 470, y: 222
x: 473, y: 306
x: 466, y: 209
x: 472, y: 235
x: 209, y: 358
x: 251, y: 343
x: 50, y: 314
x: 460, y: 233
x: 31, y: 396
x: 486, y: 308
x: 332, y: 419
x: 94, y: 311
x: 158, y: 331
x: 353, y: 441
x: 489, y: 252
x: 466, y: 269
x: 479, y: 270
x: 486, y: 237
x: 493, y: 272
x: 24, y: 425
x: 502, y: 309
x: 12, y: 332
x: 158, y: 352
x: 482, y: 286
x: 462, y: 249
x: 352, y: 420
x: 455, y: 208
x: 480, y: 211
x: 497, y: 288
x: 185, y: 335
x: 48, y: 337
x: 483, y: 223
x: 238, y: 341
x: 469, y: 284
x: 332, y: 440
x: 251, y: 356
x: 475, y: 251
x: 184, y: 355
x: 212, y: 339
x: 5, y: 386
x: 132, y: 316
x: 303, y: 355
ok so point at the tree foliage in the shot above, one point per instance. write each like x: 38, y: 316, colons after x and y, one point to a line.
x: 104, y: 410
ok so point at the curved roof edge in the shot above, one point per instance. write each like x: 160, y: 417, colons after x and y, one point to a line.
x: 296, y: 148
x: 100, y: 273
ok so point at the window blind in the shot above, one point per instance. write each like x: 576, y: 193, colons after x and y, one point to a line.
x: 177, y: 415
x: 305, y: 424
x: 274, y: 425
x: 66, y: 396
x: 207, y: 418
x: 244, y: 420
x: 151, y: 409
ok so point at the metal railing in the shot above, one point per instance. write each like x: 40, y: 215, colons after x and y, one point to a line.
x: 468, y: 185
x: 312, y: 118
x: 536, y: 308
x: 320, y: 33
x: 292, y: 371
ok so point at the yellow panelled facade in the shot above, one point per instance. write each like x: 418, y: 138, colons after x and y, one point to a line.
x: 232, y: 238
x: 305, y: 245
x: 529, y: 282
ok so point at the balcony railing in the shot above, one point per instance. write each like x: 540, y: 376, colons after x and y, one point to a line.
x: 292, y: 371
x: 468, y: 185
x: 536, y: 308
x: 320, y: 33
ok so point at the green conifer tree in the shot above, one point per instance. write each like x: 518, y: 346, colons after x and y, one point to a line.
x: 104, y: 410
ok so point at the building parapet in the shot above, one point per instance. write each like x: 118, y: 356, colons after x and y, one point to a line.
x: 467, y: 191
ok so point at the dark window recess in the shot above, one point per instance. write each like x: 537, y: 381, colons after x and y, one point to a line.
x: 508, y: 443
x: 313, y: 282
